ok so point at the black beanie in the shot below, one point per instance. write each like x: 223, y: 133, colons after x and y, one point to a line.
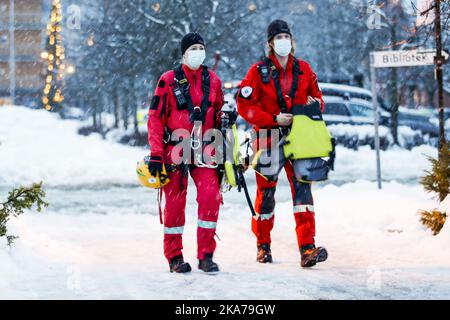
x: 277, y: 27
x: 189, y: 40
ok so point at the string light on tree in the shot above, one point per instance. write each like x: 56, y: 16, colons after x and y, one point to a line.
x: 52, y: 97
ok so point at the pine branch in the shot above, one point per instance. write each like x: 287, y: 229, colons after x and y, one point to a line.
x: 437, y: 180
x: 18, y: 200
x: 433, y: 220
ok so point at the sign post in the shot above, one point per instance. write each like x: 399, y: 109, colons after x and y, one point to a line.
x: 395, y: 59
x: 375, y: 117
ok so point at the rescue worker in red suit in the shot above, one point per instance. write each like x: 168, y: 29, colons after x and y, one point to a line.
x: 167, y: 114
x: 259, y: 104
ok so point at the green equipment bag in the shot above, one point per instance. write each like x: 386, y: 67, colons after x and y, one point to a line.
x: 231, y: 164
x: 308, y: 142
x: 309, y: 137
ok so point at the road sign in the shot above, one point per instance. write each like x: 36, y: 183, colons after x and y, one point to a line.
x: 405, y: 58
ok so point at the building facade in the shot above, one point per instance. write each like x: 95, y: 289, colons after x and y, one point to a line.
x: 29, y: 41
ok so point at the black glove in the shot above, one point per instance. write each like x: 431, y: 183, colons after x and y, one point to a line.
x: 155, y: 165
x: 228, y: 118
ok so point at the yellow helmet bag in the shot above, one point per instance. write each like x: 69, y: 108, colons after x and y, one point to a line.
x: 146, y: 179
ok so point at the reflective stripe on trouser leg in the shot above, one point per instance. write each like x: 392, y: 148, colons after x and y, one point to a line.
x: 208, y: 198
x: 174, y: 230
x: 206, y: 243
x: 207, y: 224
x: 174, y: 214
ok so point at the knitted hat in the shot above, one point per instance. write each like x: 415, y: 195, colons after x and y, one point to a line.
x: 189, y: 40
x: 277, y: 27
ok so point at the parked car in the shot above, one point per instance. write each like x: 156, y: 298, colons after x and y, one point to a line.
x: 354, y: 111
x: 435, y: 121
x: 421, y: 119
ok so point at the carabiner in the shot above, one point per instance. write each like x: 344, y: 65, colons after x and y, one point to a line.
x: 195, y: 140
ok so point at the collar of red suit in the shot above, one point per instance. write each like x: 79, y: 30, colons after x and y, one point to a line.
x: 278, y: 65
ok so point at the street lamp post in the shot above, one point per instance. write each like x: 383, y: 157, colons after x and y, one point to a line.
x: 12, y: 54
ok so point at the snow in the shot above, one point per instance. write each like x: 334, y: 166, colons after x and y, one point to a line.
x: 396, y: 164
x: 36, y: 145
x: 100, y: 238
x: 377, y: 249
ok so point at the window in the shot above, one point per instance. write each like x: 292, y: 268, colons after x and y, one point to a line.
x: 358, y: 110
x: 336, y: 108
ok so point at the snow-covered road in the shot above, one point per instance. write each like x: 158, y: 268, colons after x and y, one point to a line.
x: 100, y: 237
x: 377, y: 250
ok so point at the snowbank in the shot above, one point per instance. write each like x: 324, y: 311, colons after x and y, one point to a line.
x: 36, y: 145
x: 378, y: 250
x: 396, y: 164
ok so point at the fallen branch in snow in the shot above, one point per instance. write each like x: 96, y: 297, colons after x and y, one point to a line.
x: 18, y: 200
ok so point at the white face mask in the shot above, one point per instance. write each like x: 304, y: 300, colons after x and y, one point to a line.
x: 283, y: 47
x: 194, y: 58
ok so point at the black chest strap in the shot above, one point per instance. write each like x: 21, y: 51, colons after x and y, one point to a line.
x: 268, y: 70
x: 183, y: 96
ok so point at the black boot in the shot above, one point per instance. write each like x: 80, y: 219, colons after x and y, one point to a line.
x: 178, y: 265
x: 264, y: 254
x: 207, y: 264
x: 312, y: 255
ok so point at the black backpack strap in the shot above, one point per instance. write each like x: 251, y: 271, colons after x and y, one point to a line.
x: 181, y: 90
x: 267, y: 70
x: 276, y: 80
x: 206, y: 86
x: 296, y: 71
x: 264, y: 72
x: 183, y: 96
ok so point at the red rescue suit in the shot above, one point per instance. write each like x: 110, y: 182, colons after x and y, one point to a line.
x: 258, y: 105
x: 164, y: 115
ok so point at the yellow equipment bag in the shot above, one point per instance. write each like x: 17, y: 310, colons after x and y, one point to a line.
x: 309, y: 137
x: 309, y: 145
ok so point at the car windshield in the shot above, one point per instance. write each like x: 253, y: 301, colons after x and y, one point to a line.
x: 360, y: 110
x: 336, y: 108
